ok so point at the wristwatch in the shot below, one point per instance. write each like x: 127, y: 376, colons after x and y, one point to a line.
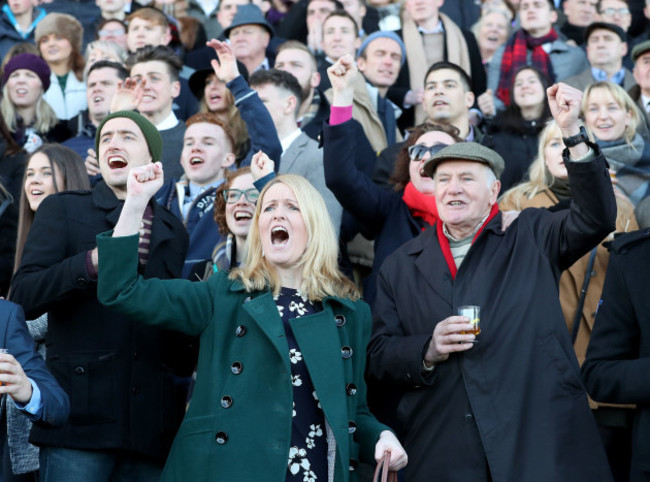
x: 577, y: 139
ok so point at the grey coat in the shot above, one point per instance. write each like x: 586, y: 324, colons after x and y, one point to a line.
x: 303, y: 157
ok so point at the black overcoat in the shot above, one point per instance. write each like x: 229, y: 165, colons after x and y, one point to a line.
x: 514, y: 402
x: 113, y: 369
x: 617, y: 368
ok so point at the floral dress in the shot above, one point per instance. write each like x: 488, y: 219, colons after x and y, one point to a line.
x: 308, y: 452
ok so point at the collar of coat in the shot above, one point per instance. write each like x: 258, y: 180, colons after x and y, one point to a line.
x: 237, y: 285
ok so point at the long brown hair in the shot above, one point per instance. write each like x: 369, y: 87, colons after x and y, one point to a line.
x: 233, y: 118
x: 74, y: 177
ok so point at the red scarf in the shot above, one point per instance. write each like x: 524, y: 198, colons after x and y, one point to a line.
x: 515, y: 55
x: 444, y: 241
x: 421, y: 205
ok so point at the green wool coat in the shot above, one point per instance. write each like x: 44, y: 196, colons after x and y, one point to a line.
x: 238, y: 425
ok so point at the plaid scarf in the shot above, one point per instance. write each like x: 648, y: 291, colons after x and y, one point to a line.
x: 515, y: 55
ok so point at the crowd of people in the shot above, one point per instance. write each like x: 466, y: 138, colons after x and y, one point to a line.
x: 238, y: 239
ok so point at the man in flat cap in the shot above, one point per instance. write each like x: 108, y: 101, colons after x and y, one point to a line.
x: 124, y: 409
x: 506, y: 404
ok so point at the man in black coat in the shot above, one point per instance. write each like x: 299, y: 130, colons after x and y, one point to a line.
x: 617, y: 368
x: 124, y: 408
x: 507, y: 404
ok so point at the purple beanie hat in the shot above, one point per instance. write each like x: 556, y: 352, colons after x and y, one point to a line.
x: 30, y: 62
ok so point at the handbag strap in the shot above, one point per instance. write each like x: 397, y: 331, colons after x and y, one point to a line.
x: 382, y: 468
x: 583, y: 294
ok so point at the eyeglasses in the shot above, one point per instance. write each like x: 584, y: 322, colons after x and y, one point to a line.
x: 610, y: 12
x: 233, y: 195
x: 417, y: 151
x: 114, y: 33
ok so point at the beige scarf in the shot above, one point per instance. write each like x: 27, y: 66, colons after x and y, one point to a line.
x: 457, y: 53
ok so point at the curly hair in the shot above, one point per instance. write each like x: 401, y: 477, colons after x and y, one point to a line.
x: 220, y: 202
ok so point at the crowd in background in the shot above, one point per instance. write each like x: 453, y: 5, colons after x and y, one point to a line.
x: 356, y: 97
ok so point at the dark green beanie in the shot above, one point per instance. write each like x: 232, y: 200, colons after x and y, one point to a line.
x: 151, y: 134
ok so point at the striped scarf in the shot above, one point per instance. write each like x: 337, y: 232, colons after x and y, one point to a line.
x: 515, y: 55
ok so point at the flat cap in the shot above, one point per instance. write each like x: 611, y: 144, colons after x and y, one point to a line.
x: 467, y: 151
x: 606, y: 26
x: 640, y: 49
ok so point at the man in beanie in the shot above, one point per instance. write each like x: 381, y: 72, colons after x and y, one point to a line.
x: 124, y: 407
x: 508, y: 391
x: 59, y: 41
x: 379, y: 59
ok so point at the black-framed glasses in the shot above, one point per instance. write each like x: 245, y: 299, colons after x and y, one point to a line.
x: 233, y: 195
x: 417, y: 151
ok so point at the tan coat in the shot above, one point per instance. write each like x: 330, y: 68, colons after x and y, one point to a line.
x: 573, y: 278
x: 364, y: 112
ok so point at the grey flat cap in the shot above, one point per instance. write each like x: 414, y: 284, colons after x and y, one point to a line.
x: 640, y: 49
x: 467, y: 151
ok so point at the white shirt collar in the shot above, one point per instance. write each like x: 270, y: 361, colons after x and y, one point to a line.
x: 288, y: 140
x: 437, y: 29
x: 170, y: 121
x: 645, y: 101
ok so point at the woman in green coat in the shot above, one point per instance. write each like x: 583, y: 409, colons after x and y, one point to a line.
x: 280, y: 393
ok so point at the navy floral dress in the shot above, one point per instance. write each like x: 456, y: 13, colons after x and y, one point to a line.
x: 308, y: 452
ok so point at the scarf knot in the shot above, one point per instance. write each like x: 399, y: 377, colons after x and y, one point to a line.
x: 444, y: 241
x: 422, y: 206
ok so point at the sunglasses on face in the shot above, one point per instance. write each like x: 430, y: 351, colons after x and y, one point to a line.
x: 233, y: 195
x: 417, y: 151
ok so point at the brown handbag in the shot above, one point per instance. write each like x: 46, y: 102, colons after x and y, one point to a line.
x: 382, y: 468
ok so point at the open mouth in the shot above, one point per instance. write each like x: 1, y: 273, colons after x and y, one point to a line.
x: 196, y: 160
x: 279, y: 236
x: 455, y: 203
x: 439, y: 103
x: 98, y: 99
x: 36, y: 192
x: 117, y: 163
x: 242, y: 216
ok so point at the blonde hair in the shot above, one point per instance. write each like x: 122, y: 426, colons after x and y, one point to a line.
x: 624, y: 101
x: 319, y: 263
x: 540, y: 177
x: 117, y: 51
x: 45, y: 119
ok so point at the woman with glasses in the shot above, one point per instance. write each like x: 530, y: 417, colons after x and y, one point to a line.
x: 206, y: 157
x: 280, y: 392
x: 390, y: 218
x: 234, y: 206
